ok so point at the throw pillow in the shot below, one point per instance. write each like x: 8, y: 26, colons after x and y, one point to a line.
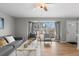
x: 3, y: 42
x: 10, y: 39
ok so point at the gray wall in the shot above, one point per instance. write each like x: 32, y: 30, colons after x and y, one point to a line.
x: 21, y: 28
x: 78, y: 36
x: 9, y: 28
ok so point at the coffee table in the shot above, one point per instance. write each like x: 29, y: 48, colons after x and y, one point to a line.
x: 27, y: 50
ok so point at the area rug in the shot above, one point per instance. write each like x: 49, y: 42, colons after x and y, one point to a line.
x: 47, y: 45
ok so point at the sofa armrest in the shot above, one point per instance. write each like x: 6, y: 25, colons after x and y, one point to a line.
x: 6, y: 50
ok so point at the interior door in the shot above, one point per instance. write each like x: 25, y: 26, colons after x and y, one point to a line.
x: 71, y: 31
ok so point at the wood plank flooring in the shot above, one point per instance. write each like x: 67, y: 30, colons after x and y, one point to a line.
x: 59, y: 49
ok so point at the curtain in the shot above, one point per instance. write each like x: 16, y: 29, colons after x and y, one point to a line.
x: 57, y: 26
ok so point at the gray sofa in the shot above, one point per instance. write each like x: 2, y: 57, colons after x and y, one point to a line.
x: 8, y: 49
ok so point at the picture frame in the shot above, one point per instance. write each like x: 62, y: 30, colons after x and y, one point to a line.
x: 1, y: 23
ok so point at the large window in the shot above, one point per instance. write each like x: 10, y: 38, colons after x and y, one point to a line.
x: 50, y: 25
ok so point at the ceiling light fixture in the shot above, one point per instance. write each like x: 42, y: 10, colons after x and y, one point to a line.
x: 42, y: 5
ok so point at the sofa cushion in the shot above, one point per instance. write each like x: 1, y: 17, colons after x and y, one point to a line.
x: 10, y: 39
x: 16, y: 44
x: 3, y: 42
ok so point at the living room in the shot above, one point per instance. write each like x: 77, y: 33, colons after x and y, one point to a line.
x: 14, y: 23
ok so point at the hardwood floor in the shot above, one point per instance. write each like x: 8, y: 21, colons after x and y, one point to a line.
x: 51, y: 49
x: 59, y: 49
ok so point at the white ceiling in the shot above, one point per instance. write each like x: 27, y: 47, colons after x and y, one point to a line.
x: 30, y: 10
